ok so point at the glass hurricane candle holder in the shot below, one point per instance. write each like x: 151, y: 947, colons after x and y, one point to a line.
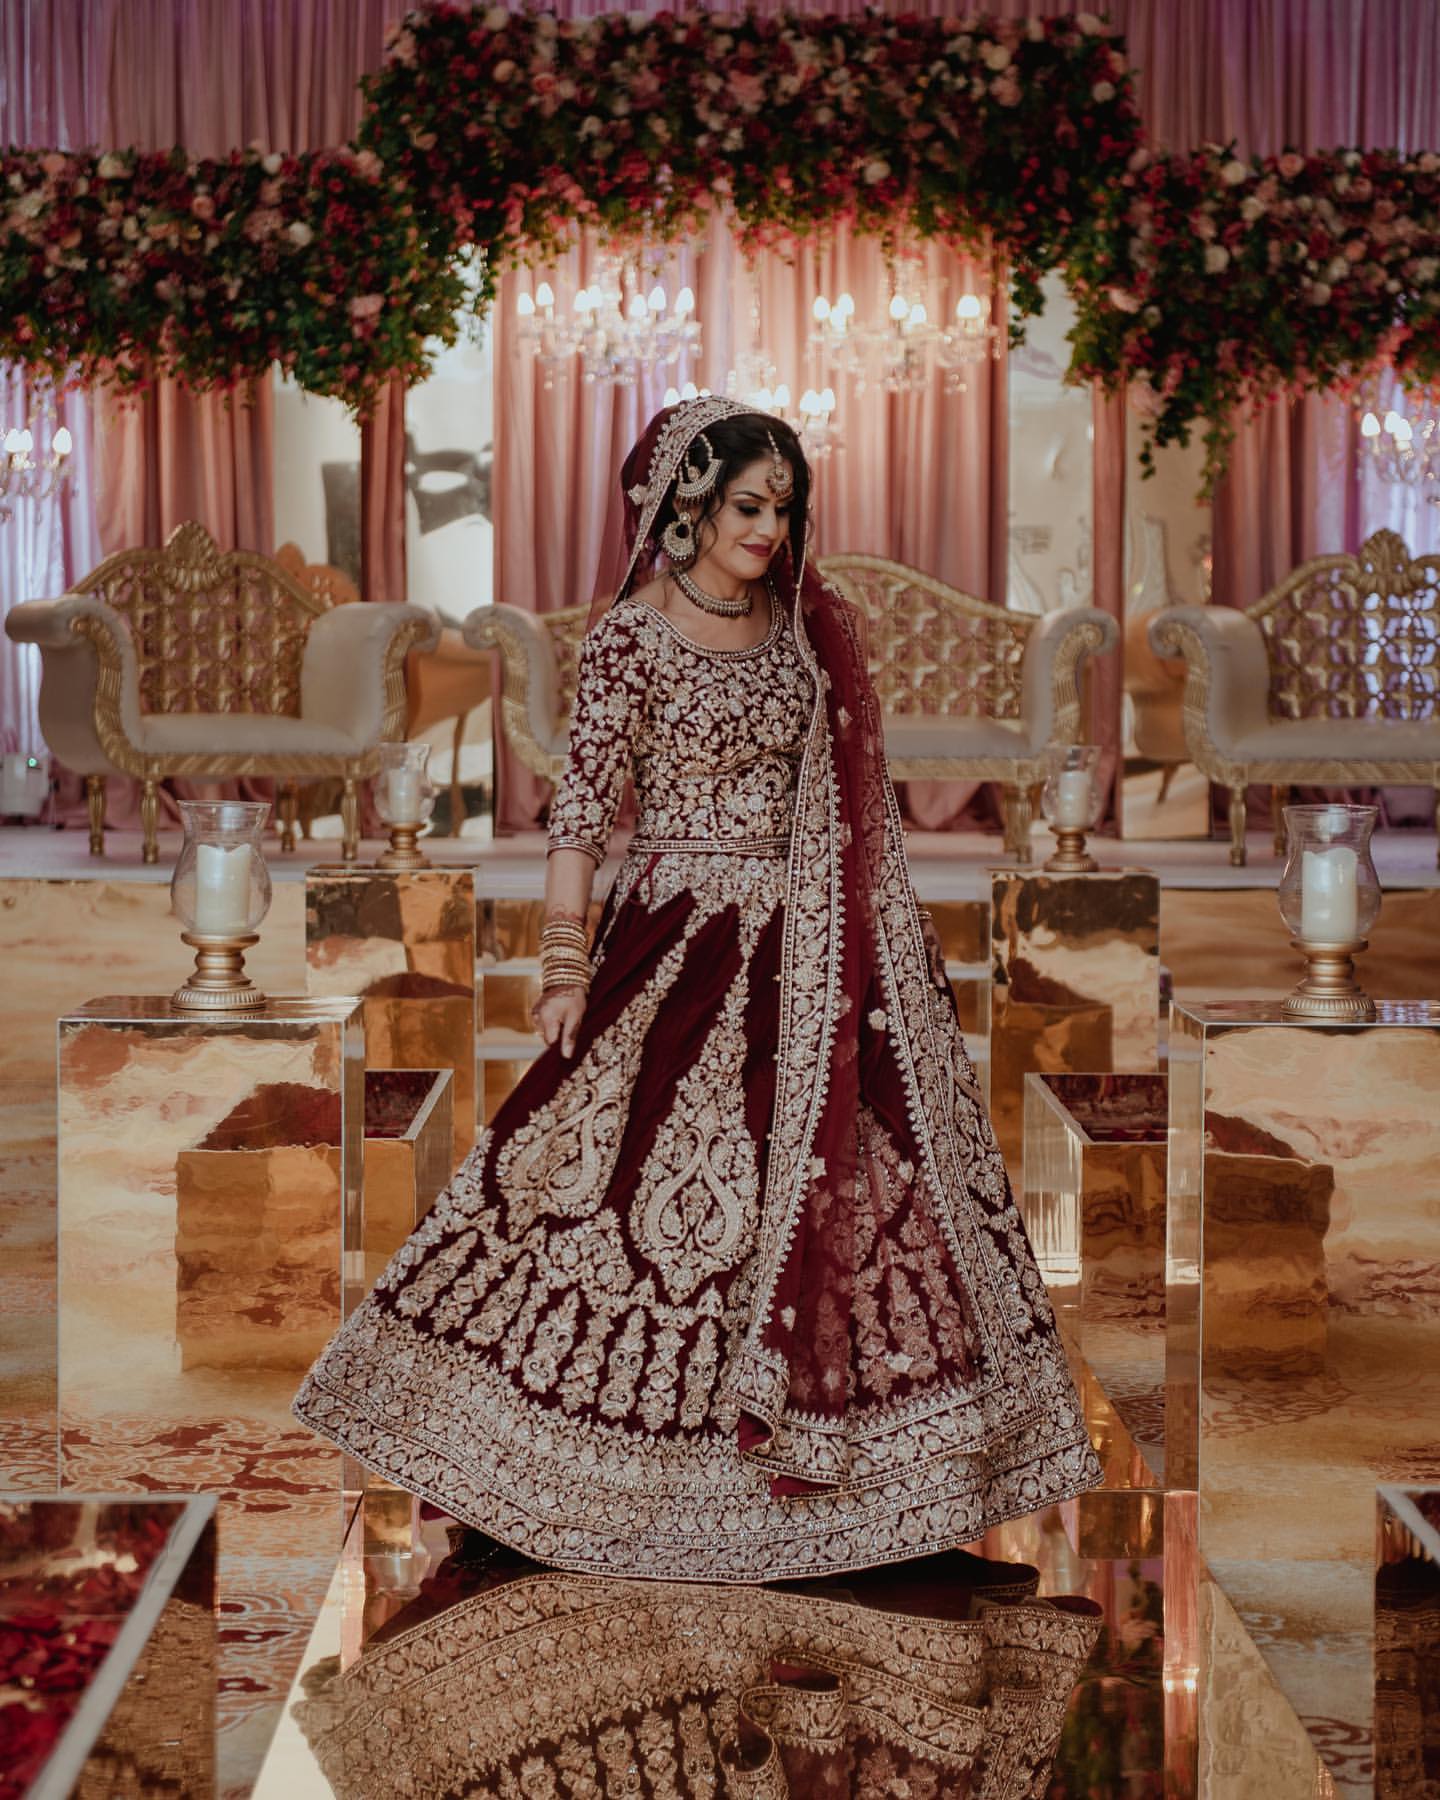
x: 220, y: 892
x: 405, y: 799
x: 1070, y: 802
x: 1329, y: 897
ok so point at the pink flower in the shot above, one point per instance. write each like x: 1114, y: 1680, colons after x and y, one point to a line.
x: 1103, y: 91
x: 1123, y: 300
x: 1006, y: 88
x: 504, y: 70
x: 368, y: 164
x: 366, y: 306
x: 54, y: 163
x: 203, y: 206
x: 1290, y: 165
x: 1356, y: 250
x: 748, y: 91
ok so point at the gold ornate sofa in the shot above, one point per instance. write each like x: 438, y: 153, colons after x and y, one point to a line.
x: 1333, y: 677
x: 969, y: 691
x: 189, y: 661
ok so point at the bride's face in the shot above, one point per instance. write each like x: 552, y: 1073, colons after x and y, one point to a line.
x: 748, y: 526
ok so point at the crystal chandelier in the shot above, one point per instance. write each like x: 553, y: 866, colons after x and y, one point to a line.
x: 1402, y: 448
x: 30, y: 467
x: 616, y: 328
x: 901, y: 352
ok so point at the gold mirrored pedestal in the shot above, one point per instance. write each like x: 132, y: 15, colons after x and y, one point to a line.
x: 1407, y: 1641
x: 107, y: 1617
x: 403, y: 941
x: 1076, y: 968
x: 209, y: 1182
x: 409, y: 1138
x: 1303, y: 1336
x: 1093, y: 1202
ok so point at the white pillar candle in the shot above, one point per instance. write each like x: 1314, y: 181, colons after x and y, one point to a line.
x: 1072, y: 799
x: 403, y: 792
x: 222, y: 889
x: 1329, y: 900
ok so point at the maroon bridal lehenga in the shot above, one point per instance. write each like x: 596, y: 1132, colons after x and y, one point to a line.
x: 737, y: 1292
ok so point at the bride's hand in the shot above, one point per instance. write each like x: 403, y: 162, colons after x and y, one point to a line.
x: 557, y: 1016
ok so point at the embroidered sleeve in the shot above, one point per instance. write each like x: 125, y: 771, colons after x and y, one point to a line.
x: 613, y: 677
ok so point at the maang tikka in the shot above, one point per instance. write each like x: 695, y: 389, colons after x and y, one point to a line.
x: 781, y: 478
x: 692, y: 487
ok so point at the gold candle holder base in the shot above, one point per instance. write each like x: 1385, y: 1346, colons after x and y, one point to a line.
x: 403, y: 852
x: 219, y: 982
x: 1329, y: 990
x: 1070, y: 857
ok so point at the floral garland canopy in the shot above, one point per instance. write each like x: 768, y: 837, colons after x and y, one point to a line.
x: 1207, y: 283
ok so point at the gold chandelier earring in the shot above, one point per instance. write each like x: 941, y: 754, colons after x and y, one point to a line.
x: 678, y: 539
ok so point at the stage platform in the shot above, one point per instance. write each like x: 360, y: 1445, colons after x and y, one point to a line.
x: 947, y: 865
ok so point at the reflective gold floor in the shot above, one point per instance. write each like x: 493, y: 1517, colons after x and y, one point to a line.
x: 1179, y: 1699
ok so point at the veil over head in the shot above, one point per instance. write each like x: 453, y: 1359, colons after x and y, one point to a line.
x: 648, y: 474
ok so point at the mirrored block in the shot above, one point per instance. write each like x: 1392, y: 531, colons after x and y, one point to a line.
x: 208, y: 1182
x: 1094, y: 1190
x: 502, y: 1065
x: 403, y: 941
x: 107, y: 1618
x: 409, y: 1137
x: 1076, y: 969
x: 1303, y: 1337
x: 1407, y: 1641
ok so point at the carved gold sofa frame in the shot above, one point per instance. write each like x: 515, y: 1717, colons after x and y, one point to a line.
x: 969, y: 691
x: 190, y: 661
x: 1331, y: 678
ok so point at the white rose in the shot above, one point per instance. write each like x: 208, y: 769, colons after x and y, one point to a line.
x: 876, y: 171
x: 1428, y: 163
x: 1123, y: 300
x: 299, y: 233
x: 1426, y: 269
x: 1217, y: 258
x: 1251, y: 209
x: 996, y: 56
x: 112, y: 167
x: 1234, y: 172
x: 1336, y: 269
x: 496, y: 18
x: 1103, y: 91
x: 1035, y: 31
x: 1317, y: 293
x: 1088, y: 24
x: 29, y: 205
x: 273, y: 163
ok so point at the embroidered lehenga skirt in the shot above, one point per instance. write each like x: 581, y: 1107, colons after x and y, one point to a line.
x: 565, y: 1354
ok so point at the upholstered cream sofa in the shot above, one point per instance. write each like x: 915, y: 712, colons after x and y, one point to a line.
x: 1332, y: 678
x: 190, y: 661
x: 969, y: 691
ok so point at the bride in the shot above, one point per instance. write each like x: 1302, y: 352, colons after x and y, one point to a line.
x: 733, y: 1288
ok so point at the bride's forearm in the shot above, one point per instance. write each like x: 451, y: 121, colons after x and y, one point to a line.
x: 569, y: 876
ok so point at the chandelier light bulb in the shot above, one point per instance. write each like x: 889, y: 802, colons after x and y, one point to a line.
x: 637, y: 310
x: 1393, y: 422
x: 656, y: 301
x: 27, y: 441
x: 899, y: 308
x: 545, y: 295
x: 525, y: 306
x: 1370, y: 426
x: 12, y: 441
x: 685, y: 302
x: 918, y: 314
x: 1403, y: 431
x: 968, y: 307
x: 782, y: 397
x: 820, y: 310
x: 845, y: 306
x: 62, y: 443
x: 827, y: 400
x: 809, y: 403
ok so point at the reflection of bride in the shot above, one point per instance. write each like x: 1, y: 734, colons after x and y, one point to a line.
x: 734, y: 1287
x: 562, y: 1685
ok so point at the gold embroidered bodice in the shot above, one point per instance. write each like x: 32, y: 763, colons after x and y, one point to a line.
x: 712, y: 737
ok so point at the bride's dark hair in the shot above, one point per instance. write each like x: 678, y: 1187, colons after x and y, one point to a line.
x: 739, y: 442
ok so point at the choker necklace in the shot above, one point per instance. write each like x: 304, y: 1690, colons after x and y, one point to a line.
x: 711, y: 603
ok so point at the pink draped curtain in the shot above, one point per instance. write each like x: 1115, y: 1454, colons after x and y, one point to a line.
x: 210, y: 75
